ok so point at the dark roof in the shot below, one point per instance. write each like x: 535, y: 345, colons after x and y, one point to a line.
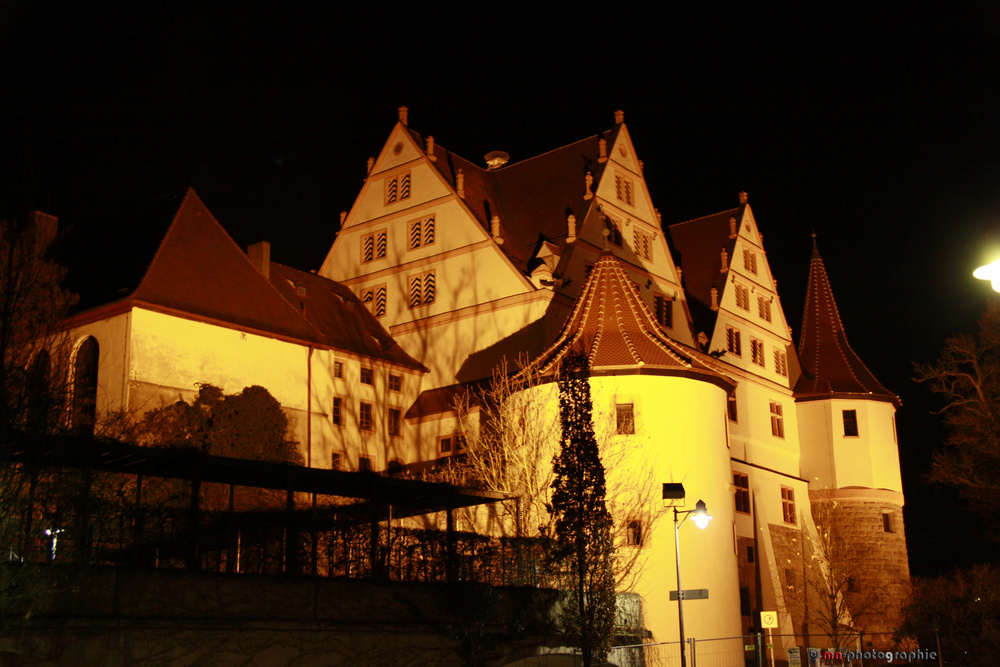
x: 830, y: 368
x: 698, y: 245
x: 337, y: 312
x: 611, y: 324
x: 532, y: 197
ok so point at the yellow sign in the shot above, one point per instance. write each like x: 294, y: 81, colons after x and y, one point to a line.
x: 769, y: 619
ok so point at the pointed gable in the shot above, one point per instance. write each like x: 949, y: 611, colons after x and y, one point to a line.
x: 829, y: 365
x: 612, y: 325
x: 199, y: 270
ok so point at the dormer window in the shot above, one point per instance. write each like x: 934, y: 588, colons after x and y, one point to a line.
x: 397, y: 188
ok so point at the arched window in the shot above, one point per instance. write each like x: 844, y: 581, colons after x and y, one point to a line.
x: 38, y: 399
x: 84, y: 409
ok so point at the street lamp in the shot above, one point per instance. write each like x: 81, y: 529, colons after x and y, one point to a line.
x: 701, y: 518
x: 989, y: 272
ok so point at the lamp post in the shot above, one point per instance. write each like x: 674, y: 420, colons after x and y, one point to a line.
x: 701, y: 518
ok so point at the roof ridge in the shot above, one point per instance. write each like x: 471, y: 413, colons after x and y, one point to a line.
x: 704, y: 217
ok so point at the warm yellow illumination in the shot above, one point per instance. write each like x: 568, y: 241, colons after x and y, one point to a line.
x: 990, y: 272
x: 700, y: 516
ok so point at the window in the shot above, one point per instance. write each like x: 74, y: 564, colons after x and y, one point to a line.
x: 444, y: 444
x: 338, y: 369
x: 374, y: 299
x: 421, y: 232
x: 367, y: 376
x: 764, y: 308
x: 777, y: 420
x: 373, y: 246
x: 852, y: 585
x: 84, y: 402
x: 338, y: 411
x: 365, y: 417
x: 397, y: 188
x: 887, y: 523
x: 664, y: 310
x: 364, y: 464
x: 742, y: 297
x: 731, y: 410
x: 633, y: 533
x: 745, y: 599
x: 422, y: 289
x: 395, y: 382
x: 395, y: 421
x: 790, y: 579
x: 750, y: 554
x: 788, y: 504
x: 742, y: 484
x: 625, y: 414
x: 733, y: 341
x: 614, y: 232
x: 780, y: 363
x: 757, y: 351
x: 335, y: 461
x: 750, y: 260
x: 850, y: 423
x: 624, y: 190
x: 642, y: 243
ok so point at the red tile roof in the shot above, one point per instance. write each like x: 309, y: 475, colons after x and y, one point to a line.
x: 830, y: 368
x: 199, y: 271
x: 613, y: 327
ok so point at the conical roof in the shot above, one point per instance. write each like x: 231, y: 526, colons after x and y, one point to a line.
x: 612, y: 325
x: 830, y: 368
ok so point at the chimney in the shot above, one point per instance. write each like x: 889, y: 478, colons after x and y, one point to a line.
x: 259, y: 255
x: 45, y: 227
x: 404, y: 115
x: 496, y: 159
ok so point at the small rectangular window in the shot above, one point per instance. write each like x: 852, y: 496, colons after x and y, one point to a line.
x: 364, y: 464
x: 745, y: 600
x: 374, y: 246
x: 444, y: 444
x: 633, y: 534
x: 742, y: 297
x: 335, y: 461
x: 624, y: 190
x: 625, y: 415
x: 421, y: 232
x: 395, y: 382
x: 375, y: 299
x: 395, y: 421
x: 642, y: 243
x: 750, y: 260
x: 731, y: 410
x: 664, y: 311
x: 397, y: 188
x: 338, y: 369
x: 887, y: 523
x: 788, y: 504
x: 750, y: 554
x: 790, y: 579
x: 850, y: 423
x: 365, y: 417
x: 780, y: 363
x: 757, y: 351
x: 777, y: 420
x: 764, y: 308
x: 338, y: 411
x: 423, y: 289
x: 614, y: 232
x: 733, y: 343
x: 742, y: 483
x: 367, y: 376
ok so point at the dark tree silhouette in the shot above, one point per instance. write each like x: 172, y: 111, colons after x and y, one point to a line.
x: 581, y: 523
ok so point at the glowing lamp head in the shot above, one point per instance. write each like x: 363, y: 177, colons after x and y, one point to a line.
x: 700, y: 515
x: 990, y: 272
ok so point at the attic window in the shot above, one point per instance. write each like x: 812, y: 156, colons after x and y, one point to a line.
x: 624, y: 189
x: 642, y: 243
x: 374, y: 299
x: 780, y: 363
x: 742, y: 297
x: 664, y: 308
x: 397, y: 188
x: 764, y: 308
x: 750, y: 260
x: 374, y: 246
x: 614, y: 232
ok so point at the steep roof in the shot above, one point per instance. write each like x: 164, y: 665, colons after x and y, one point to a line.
x: 830, y: 368
x: 532, y: 198
x: 611, y: 324
x: 699, y: 244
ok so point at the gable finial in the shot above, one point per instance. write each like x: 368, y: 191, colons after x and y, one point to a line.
x: 725, y: 261
x: 570, y: 228
x: 602, y: 148
x: 732, y: 227
x: 371, y: 163
x: 404, y: 115
x: 619, y: 117
x: 588, y: 181
x: 606, y: 232
x: 495, y: 229
x: 430, y: 148
x: 460, y: 184
x: 743, y: 197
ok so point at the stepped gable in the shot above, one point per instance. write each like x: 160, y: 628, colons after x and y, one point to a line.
x: 532, y: 197
x: 338, y: 313
x: 199, y: 270
x: 699, y: 244
x: 611, y: 324
x: 830, y: 368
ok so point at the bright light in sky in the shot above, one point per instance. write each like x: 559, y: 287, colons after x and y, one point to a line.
x: 990, y: 272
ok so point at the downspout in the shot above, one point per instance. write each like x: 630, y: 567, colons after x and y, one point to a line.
x: 309, y: 444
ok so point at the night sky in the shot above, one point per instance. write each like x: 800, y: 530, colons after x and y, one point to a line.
x: 878, y: 130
